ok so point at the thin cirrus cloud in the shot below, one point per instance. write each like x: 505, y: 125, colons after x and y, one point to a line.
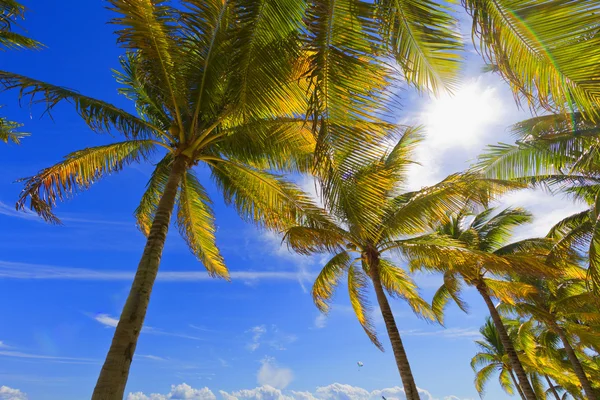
x: 42, y: 357
x: 111, y: 322
x: 16, y: 270
x: 27, y: 214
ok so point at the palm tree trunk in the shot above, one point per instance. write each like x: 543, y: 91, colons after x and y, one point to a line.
x: 577, y: 368
x: 513, y: 357
x: 113, y: 376
x: 408, y: 381
x: 512, y: 376
x: 552, y: 388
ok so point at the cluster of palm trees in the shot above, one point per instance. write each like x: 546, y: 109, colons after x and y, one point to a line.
x: 257, y: 89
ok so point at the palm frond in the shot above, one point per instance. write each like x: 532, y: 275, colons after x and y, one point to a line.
x: 149, y: 28
x: 422, y: 35
x: 146, y: 210
x: 538, y: 57
x: 329, y: 278
x: 10, y: 13
x: 357, y: 289
x: 99, y: 115
x: 307, y: 240
x: 398, y: 283
x: 264, y: 198
x: 78, y: 172
x: 196, y: 223
x: 9, y: 131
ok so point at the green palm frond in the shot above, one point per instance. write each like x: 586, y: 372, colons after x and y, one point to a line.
x: 265, y: 56
x: 78, y: 172
x: 398, y: 283
x: 196, y: 222
x: 274, y: 143
x: 450, y: 290
x: 422, y: 35
x: 264, y: 198
x: 9, y: 131
x: 538, y: 57
x: 147, y: 27
x: 307, y: 240
x: 347, y: 77
x: 498, y: 228
x: 99, y: 115
x: 509, y: 291
x: 483, y: 376
x: 10, y: 13
x: 506, y: 382
x: 137, y: 87
x: 329, y: 278
x: 144, y: 213
x: 357, y: 290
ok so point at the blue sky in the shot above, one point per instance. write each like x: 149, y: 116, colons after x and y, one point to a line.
x: 260, y: 335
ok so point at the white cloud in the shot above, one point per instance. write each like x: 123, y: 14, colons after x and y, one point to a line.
x: 3, y: 345
x: 335, y: 391
x: 42, y: 357
x: 271, y: 336
x: 273, y: 375
x: 107, y: 320
x: 547, y: 210
x: 16, y: 270
x: 468, y: 333
x: 111, y: 322
x: 179, y: 392
x: 7, y: 393
x: 320, y: 321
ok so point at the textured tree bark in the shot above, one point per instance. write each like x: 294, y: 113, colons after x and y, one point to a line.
x: 577, y: 368
x: 408, y: 381
x: 513, y: 357
x: 552, y: 388
x: 512, y: 376
x: 115, y: 371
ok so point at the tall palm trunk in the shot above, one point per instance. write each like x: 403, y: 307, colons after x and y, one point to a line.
x: 514, y: 380
x: 577, y: 368
x: 552, y: 388
x: 513, y: 357
x: 408, y: 381
x: 113, y: 376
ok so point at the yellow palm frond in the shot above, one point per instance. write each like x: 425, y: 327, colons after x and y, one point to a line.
x: 429, y: 57
x: 78, y: 172
x: 100, y: 116
x: 329, y: 278
x: 537, y: 46
x: 357, y: 289
x: 398, y: 283
x: 145, y: 211
x: 509, y: 291
x: 264, y: 198
x: 147, y: 27
x: 196, y: 223
x: 309, y: 240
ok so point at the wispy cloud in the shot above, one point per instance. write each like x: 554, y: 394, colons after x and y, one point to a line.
x: 111, y: 322
x: 320, y: 321
x: 151, y: 357
x: 27, y: 214
x: 16, y: 270
x: 270, y: 336
x: 57, y: 359
x: 467, y: 333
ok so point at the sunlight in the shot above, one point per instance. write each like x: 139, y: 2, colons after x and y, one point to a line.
x: 461, y: 119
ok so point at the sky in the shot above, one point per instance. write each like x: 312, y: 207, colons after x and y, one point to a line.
x: 257, y: 337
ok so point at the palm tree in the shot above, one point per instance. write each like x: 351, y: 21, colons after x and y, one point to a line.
x: 215, y: 84
x: 10, y: 13
x: 360, y: 237
x: 487, y: 234
x: 566, y: 308
x: 493, y: 358
x: 560, y: 152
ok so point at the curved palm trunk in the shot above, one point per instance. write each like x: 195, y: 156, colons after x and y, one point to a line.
x: 408, y: 381
x: 514, y: 380
x: 513, y: 357
x: 113, y: 376
x: 577, y: 368
x: 552, y: 388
